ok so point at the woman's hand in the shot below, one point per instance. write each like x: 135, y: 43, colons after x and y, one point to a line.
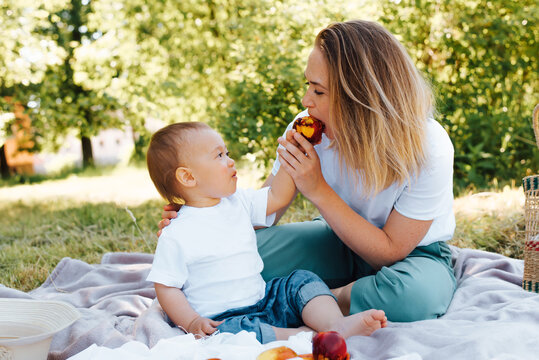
x: 170, y: 211
x: 203, y: 326
x: 301, y: 162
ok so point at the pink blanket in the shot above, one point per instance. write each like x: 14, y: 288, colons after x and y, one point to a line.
x: 489, y: 316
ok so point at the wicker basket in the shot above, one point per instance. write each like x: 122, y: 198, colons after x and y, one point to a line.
x: 530, y: 184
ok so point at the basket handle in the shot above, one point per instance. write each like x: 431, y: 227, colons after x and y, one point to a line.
x: 536, y: 123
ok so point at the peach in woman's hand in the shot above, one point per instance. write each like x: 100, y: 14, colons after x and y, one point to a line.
x: 310, y: 128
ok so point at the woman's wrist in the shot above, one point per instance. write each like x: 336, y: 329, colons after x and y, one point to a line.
x: 319, y: 194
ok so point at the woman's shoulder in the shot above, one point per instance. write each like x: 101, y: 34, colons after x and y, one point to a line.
x: 438, y: 139
x: 439, y: 153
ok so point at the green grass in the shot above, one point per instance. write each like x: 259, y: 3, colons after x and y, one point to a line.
x: 35, y: 237
x: 500, y: 233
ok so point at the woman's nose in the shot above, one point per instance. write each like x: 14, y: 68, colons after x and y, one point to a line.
x: 306, y: 101
x: 231, y: 162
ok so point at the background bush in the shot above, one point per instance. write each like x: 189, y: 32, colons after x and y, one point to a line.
x: 481, y: 57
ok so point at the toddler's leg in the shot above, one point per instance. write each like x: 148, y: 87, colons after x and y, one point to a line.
x: 285, y: 333
x: 323, y: 314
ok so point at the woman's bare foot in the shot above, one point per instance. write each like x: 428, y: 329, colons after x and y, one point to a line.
x: 363, y: 323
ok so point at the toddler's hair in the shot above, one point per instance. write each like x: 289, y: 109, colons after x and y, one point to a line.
x: 168, y: 150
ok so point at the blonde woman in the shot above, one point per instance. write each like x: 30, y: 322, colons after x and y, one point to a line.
x: 382, y: 179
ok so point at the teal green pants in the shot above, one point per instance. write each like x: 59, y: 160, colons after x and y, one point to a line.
x: 418, y: 287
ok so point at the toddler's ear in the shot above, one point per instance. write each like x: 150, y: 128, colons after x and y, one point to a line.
x: 185, y: 177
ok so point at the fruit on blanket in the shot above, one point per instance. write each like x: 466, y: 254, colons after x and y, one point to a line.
x: 278, y: 353
x: 329, y: 345
x: 310, y: 128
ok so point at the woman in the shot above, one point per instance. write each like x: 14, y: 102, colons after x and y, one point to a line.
x: 381, y: 179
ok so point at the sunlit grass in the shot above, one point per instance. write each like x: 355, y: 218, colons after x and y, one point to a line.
x: 17, y: 179
x: 492, y: 221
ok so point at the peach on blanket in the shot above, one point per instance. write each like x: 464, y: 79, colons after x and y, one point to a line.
x: 328, y: 345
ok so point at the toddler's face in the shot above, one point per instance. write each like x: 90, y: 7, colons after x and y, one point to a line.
x: 212, y: 168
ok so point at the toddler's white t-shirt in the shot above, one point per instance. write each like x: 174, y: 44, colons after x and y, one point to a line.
x: 428, y: 196
x: 211, y: 253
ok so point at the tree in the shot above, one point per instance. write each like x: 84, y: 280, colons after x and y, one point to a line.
x: 70, y: 105
x: 236, y: 64
x: 24, y: 55
x: 57, y: 101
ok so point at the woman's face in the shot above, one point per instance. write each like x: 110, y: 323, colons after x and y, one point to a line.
x: 316, y: 98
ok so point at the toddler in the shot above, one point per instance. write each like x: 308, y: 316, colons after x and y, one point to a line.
x: 206, y: 269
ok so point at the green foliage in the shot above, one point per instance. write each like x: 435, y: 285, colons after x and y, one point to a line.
x: 234, y: 64
x: 58, y: 102
x: 24, y: 55
x: 238, y: 65
x: 481, y: 56
x: 265, y: 86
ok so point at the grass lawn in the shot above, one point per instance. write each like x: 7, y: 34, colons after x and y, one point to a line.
x: 84, y: 217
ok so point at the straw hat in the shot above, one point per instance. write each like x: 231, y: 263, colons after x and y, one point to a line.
x: 27, y: 326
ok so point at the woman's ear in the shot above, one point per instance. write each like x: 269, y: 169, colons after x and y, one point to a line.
x: 185, y: 177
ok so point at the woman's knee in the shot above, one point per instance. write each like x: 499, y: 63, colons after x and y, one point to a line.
x: 405, y: 296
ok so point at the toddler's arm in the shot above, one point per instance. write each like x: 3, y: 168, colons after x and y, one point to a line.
x: 281, y: 193
x: 175, y: 304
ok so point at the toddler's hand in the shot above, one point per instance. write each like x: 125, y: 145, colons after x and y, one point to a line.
x: 203, y: 326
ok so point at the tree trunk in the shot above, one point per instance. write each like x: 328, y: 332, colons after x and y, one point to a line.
x: 4, y: 169
x: 87, y: 153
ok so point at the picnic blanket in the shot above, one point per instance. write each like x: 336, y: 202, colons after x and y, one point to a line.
x: 490, y: 315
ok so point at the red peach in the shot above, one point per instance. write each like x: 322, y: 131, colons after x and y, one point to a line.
x: 310, y: 128
x: 329, y: 345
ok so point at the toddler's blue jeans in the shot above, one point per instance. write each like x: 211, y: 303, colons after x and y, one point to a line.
x: 281, y: 306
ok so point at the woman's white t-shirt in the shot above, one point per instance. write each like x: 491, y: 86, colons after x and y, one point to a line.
x: 427, y: 197
x: 211, y: 253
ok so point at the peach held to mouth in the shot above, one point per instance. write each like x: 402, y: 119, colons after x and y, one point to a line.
x: 310, y: 128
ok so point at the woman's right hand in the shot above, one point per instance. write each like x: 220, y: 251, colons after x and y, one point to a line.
x: 289, y: 136
x: 170, y: 211
x: 301, y: 162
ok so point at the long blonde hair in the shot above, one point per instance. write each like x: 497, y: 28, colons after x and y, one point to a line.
x: 379, y: 103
